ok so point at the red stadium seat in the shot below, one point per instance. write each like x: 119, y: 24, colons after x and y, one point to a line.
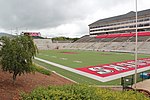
x: 102, y: 36
x: 123, y: 35
x: 113, y: 35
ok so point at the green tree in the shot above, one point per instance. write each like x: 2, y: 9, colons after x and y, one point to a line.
x: 16, y: 55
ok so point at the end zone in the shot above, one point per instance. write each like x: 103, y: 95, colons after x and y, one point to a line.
x: 117, y: 70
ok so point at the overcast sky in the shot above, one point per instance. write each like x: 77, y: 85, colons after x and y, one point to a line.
x: 54, y: 18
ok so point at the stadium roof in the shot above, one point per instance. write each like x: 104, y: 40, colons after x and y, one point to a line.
x: 127, y: 16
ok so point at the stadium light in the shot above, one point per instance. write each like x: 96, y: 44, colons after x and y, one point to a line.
x: 136, y: 43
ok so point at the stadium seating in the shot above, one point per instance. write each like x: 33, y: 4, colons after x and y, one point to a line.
x: 108, y: 42
x: 122, y: 39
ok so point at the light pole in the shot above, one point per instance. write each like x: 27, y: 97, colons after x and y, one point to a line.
x: 136, y: 43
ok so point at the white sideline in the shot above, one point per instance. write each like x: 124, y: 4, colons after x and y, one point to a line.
x: 73, y: 70
x: 98, y: 78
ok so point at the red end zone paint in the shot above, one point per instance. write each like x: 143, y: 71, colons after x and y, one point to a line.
x: 115, y: 68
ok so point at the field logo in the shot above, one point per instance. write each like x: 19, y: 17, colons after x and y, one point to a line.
x: 115, y: 68
x: 100, y: 70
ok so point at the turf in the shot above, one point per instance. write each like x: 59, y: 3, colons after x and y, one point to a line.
x: 88, y: 58
x: 79, y: 78
x: 76, y: 77
x: 78, y: 58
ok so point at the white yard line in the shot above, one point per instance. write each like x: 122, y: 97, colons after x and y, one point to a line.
x: 64, y: 58
x: 77, y: 61
x: 53, y: 56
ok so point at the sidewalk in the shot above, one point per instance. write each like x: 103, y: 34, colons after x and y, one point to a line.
x: 144, y: 85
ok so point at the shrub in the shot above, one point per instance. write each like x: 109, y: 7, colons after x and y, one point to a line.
x: 80, y: 92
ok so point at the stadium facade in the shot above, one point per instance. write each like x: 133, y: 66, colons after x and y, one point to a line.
x: 32, y: 33
x: 125, y: 23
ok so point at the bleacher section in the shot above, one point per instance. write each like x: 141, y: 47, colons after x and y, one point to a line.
x: 122, y: 39
x: 108, y: 42
x: 87, y: 38
x: 43, y: 44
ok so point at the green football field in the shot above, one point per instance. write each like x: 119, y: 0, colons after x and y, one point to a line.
x: 78, y: 59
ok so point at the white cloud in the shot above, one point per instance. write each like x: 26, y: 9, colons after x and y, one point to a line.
x: 61, y: 17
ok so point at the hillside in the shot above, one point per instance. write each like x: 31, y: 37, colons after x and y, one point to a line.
x: 26, y: 83
x: 5, y: 34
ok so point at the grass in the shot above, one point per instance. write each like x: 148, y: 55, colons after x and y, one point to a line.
x: 41, y: 70
x: 76, y: 77
x: 79, y: 78
x: 88, y: 58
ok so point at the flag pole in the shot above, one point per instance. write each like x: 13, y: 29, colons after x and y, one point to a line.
x: 136, y: 43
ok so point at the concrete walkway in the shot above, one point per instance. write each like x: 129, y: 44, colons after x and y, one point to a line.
x: 143, y: 85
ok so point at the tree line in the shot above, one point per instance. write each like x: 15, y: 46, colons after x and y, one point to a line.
x: 64, y: 39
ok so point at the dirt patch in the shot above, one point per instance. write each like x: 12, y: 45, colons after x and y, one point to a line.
x: 26, y: 83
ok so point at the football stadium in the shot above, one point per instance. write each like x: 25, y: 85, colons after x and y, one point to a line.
x: 103, y: 56
x: 75, y: 50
